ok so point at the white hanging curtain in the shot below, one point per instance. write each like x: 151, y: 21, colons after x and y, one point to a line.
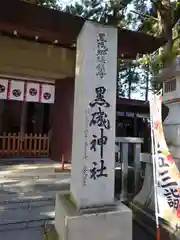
x: 32, y: 92
x: 16, y: 91
x: 47, y: 93
x: 3, y: 88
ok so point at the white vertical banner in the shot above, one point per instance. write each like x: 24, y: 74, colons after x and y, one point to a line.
x: 32, y: 92
x: 47, y: 93
x: 3, y: 88
x: 16, y: 91
x: 93, y: 150
x: 166, y: 173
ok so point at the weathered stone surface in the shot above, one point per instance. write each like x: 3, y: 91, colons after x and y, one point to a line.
x: 104, y: 223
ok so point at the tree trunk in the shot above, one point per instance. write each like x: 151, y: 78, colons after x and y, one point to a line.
x: 166, y: 19
x: 129, y: 84
x: 147, y: 84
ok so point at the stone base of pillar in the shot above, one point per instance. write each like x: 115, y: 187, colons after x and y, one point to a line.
x: 102, y: 223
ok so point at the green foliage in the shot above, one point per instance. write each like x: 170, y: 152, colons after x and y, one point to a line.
x: 48, y: 3
x: 128, y: 78
x: 154, y: 17
x: 163, y: 21
x: 86, y: 9
x: 112, y: 11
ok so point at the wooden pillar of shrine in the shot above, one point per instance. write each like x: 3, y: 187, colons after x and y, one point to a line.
x: 62, y: 120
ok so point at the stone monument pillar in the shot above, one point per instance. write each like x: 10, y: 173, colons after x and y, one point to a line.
x: 171, y: 98
x: 93, y: 147
x: 89, y: 210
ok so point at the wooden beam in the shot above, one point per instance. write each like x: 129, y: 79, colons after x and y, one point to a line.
x: 20, y: 57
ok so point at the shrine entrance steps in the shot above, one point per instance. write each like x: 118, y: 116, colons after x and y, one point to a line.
x: 27, y: 195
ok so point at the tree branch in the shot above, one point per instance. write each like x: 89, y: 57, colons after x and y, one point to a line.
x: 153, y: 2
x: 175, y: 39
x: 144, y: 15
x: 140, y: 14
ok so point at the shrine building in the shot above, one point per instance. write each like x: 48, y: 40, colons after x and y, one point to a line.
x: 37, y: 72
